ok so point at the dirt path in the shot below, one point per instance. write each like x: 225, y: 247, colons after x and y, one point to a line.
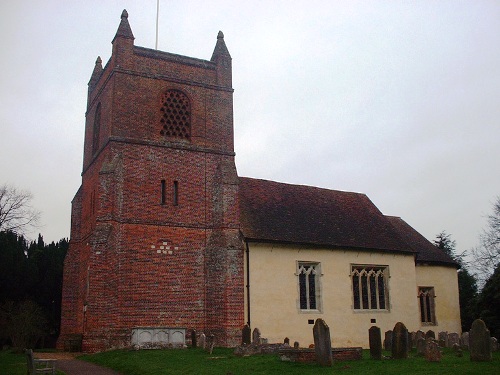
x: 71, y: 366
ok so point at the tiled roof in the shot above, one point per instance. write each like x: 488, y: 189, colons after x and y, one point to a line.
x: 278, y: 212
x: 426, y: 251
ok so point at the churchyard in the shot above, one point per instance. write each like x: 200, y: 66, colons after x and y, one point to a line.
x: 400, y: 352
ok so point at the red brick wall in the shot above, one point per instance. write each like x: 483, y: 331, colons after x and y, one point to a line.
x: 132, y: 260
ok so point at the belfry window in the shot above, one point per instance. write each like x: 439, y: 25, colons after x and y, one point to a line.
x: 96, y: 129
x: 427, y: 307
x: 175, y: 115
x: 369, y: 287
x: 309, y: 296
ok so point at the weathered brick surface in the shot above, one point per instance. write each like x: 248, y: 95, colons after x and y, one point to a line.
x: 134, y: 261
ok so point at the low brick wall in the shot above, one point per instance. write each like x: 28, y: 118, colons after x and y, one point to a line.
x: 309, y: 355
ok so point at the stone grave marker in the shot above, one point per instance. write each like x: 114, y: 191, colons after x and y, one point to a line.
x: 453, y: 338
x: 322, y: 343
x: 464, y: 341
x: 432, y: 351
x: 296, y: 345
x: 399, y: 341
x: 210, y: 343
x: 443, y: 339
x: 413, y: 339
x: 430, y: 333
x: 375, y: 338
x: 193, y: 339
x: 286, y: 341
x: 203, y: 340
x: 388, y: 341
x: 256, y: 336
x: 479, y: 342
x: 494, y: 344
x: 421, y: 344
x: 246, y: 335
x: 419, y: 335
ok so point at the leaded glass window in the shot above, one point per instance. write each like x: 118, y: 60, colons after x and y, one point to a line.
x: 427, y: 308
x: 308, y: 285
x: 369, y: 287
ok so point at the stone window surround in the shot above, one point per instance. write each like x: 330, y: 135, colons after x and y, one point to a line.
x: 427, y: 312
x: 317, y: 286
x: 384, y: 270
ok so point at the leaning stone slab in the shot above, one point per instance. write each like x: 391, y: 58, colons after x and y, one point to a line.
x: 479, y: 342
x: 399, y: 341
x: 322, y: 343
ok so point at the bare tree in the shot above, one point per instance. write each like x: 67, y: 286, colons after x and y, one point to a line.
x: 487, y: 254
x: 16, y: 213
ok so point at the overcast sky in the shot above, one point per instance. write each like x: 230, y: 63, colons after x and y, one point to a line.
x: 399, y: 100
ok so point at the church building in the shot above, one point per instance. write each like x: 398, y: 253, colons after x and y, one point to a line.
x: 166, y: 238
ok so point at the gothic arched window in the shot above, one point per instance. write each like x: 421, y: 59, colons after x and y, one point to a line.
x: 176, y: 115
x: 96, y: 129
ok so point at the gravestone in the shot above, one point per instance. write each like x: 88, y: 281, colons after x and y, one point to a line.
x: 203, y: 340
x: 322, y: 343
x: 457, y: 350
x: 246, y: 335
x: 432, y: 351
x: 464, y: 341
x: 419, y: 335
x: 413, y: 339
x: 388, y: 341
x: 494, y: 344
x: 193, y: 339
x: 421, y: 344
x: 479, y: 342
x: 453, y: 338
x: 443, y: 339
x: 410, y: 341
x: 256, y: 336
x: 430, y: 333
x: 399, y: 341
x: 375, y: 339
x: 286, y: 341
x: 210, y: 343
x: 296, y: 345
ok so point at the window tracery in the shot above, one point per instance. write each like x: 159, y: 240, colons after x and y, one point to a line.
x: 369, y: 287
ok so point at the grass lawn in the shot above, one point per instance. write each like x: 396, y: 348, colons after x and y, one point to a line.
x: 222, y: 361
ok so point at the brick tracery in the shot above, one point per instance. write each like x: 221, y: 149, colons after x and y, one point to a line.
x: 176, y: 115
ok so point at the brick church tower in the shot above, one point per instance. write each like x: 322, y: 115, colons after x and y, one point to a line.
x: 155, y: 239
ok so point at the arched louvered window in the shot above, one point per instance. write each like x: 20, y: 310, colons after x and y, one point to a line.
x: 176, y: 115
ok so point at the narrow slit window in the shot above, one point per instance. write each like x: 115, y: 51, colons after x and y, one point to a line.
x: 176, y: 193
x: 162, y: 196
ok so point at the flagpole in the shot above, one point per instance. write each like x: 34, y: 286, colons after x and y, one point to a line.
x: 157, y: 12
